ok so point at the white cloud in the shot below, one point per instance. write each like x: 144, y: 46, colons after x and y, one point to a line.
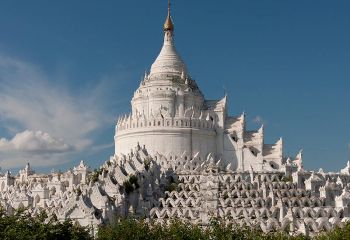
x: 29, y: 100
x: 34, y: 142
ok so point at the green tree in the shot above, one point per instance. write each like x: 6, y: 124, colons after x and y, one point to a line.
x: 22, y: 225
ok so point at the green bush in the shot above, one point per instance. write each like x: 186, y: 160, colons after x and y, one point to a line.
x: 132, y: 229
x: 287, y: 179
x: 147, y: 163
x: 128, y: 229
x: 22, y: 225
x: 134, y: 181
x: 131, y: 184
x: 93, y: 177
x: 172, y: 187
x: 336, y: 234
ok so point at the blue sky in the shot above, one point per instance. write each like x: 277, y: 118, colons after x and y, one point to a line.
x: 69, y: 68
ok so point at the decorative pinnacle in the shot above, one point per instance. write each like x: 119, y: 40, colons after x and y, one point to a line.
x: 168, y: 25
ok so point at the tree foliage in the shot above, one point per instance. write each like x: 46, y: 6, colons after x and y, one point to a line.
x: 93, y: 177
x: 22, y: 225
x: 178, y: 230
x: 287, y: 179
x: 131, y: 184
x: 336, y: 234
x: 139, y: 229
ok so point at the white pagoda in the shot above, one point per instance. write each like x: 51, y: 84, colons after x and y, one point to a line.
x: 178, y: 155
x: 170, y: 116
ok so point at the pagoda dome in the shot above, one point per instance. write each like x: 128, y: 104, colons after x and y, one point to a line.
x: 168, y: 60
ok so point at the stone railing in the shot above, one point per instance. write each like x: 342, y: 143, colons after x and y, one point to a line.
x: 130, y: 123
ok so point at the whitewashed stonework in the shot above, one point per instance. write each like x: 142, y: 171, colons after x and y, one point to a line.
x: 178, y: 155
x: 171, y: 116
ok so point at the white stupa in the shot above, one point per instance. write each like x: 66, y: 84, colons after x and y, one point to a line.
x: 178, y: 155
x: 171, y: 116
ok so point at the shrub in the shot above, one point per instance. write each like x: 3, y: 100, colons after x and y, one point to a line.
x: 131, y: 184
x: 287, y: 179
x: 93, y: 177
x: 22, y: 225
x: 147, y: 163
x: 134, y: 181
x: 336, y: 234
x: 171, y: 187
x: 132, y: 229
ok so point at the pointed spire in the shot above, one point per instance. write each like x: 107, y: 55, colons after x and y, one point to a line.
x: 280, y: 141
x: 168, y: 25
x: 339, y: 181
x: 299, y: 156
x: 261, y: 129
x: 183, y: 76
x: 168, y: 60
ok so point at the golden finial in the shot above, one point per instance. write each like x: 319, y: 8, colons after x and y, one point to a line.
x: 168, y: 25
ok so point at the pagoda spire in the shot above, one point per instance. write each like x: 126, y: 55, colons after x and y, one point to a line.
x: 168, y: 60
x: 168, y: 25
